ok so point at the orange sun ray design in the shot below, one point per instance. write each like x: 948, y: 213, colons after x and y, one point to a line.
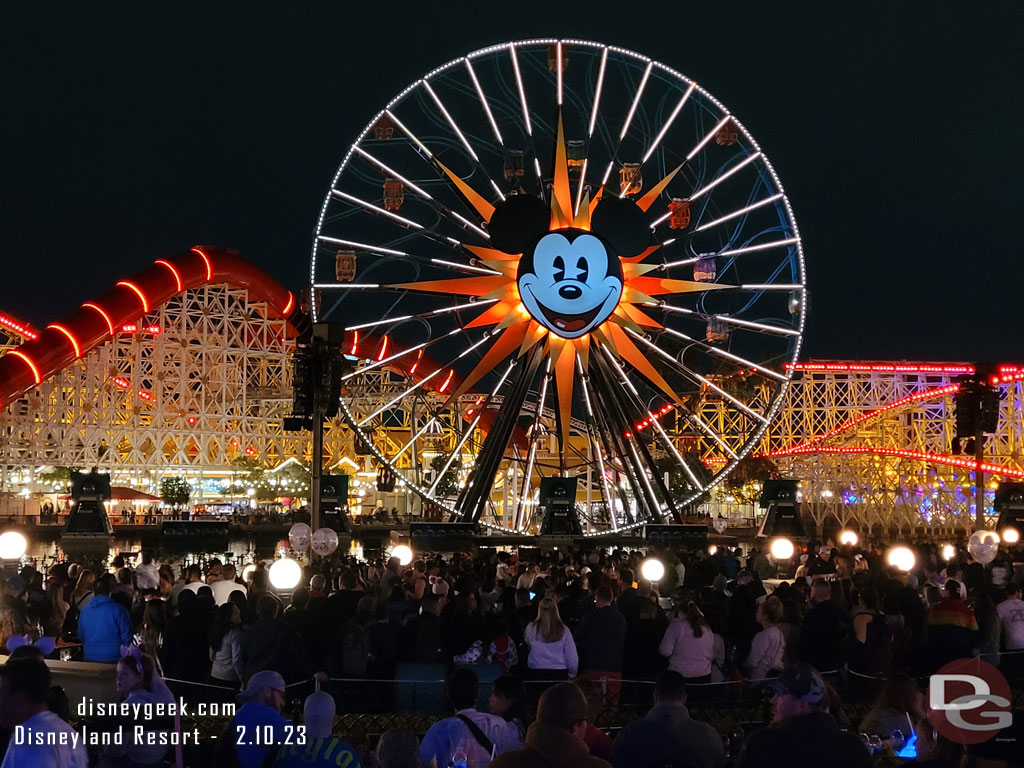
x: 516, y: 329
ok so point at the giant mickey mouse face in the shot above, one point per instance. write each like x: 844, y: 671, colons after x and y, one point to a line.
x: 570, y: 282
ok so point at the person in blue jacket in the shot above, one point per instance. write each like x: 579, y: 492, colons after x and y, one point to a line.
x: 104, y: 626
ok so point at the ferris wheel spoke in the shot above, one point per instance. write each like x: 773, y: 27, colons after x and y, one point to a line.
x: 462, y: 137
x: 590, y: 129
x: 700, y: 192
x: 397, y: 355
x: 695, y: 419
x: 731, y: 252
x: 430, y: 422
x: 483, y: 103
x: 689, y: 372
x: 597, y: 448
x: 338, y: 194
x: 741, y: 361
x: 740, y: 212
x: 747, y: 324
x: 421, y: 315
x: 668, y: 123
x: 421, y: 192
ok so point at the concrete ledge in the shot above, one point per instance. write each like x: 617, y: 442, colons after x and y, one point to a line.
x: 90, y: 680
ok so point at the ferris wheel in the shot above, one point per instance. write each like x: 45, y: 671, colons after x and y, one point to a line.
x: 549, y: 256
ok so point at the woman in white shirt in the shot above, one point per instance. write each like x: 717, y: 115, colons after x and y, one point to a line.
x: 689, y: 644
x: 768, y: 648
x: 552, y: 650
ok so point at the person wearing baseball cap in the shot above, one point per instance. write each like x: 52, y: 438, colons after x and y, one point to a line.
x: 803, y: 732
x: 261, y: 704
x: 556, y: 737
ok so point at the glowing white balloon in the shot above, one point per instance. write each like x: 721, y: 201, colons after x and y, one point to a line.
x: 403, y: 553
x: 948, y: 552
x: 849, y: 537
x: 902, y: 558
x: 299, y: 536
x: 652, y: 569
x: 324, y: 541
x: 983, y: 546
x: 1011, y: 535
x: 247, y: 571
x: 713, y: 549
x: 12, y: 545
x: 285, y: 573
x: 782, y: 548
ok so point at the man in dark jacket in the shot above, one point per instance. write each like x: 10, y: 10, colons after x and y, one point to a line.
x: 556, y: 737
x: 825, y: 638
x: 804, y: 733
x: 601, y: 637
x: 668, y: 732
x: 272, y: 644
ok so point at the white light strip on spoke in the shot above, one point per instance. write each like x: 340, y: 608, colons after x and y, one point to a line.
x: 345, y: 286
x: 725, y: 354
x: 483, y: 102
x: 415, y: 437
x: 559, y: 54
x: 469, y: 431
x: 496, y: 188
x: 661, y: 220
x: 607, y: 172
x: 362, y: 246
x: 409, y: 133
x: 714, y: 435
x: 579, y: 190
x: 711, y: 185
x: 734, y: 400
x: 398, y: 398
x: 443, y: 310
x: 451, y: 122
x: 740, y: 212
x: 767, y: 287
x: 522, y: 91
x: 526, y: 489
x: 733, y: 252
x: 597, y: 93
x: 536, y: 167
x: 724, y: 319
x: 467, y: 267
x: 636, y: 100
x: 469, y: 224
x: 709, y: 137
x: 392, y: 172
x: 600, y: 457
x: 403, y: 353
x: 668, y: 123
x: 370, y: 206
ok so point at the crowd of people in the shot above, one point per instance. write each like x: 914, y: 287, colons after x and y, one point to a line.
x: 571, y: 634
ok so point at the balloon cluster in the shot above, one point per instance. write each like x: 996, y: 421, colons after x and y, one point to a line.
x: 323, y: 541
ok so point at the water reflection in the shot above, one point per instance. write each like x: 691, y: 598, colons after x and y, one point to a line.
x: 240, y: 550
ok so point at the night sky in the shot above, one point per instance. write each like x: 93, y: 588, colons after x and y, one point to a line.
x: 138, y: 130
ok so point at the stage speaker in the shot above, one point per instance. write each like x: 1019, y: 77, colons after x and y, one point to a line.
x: 558, y: 507
x: 334, y: 503
x: 88, y: 515
x: 783, y: 517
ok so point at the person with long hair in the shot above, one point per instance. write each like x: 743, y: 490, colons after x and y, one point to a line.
x: 768, y: 648
x: 226, y: 648
x: 58, y: 609
x: 553, y: 654
x: 82, y: 593
x: 138, y: 681
x: 899, y: 703
x: 689, y: 644
x: 151, y: 635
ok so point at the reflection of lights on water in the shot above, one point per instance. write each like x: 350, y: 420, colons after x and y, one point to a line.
x: 652, y: 569
x: 902, y: 558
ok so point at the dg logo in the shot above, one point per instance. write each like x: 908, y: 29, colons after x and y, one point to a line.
x: 969, y: 701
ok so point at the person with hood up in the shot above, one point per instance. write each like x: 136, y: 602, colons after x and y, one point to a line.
x: 556, y: 737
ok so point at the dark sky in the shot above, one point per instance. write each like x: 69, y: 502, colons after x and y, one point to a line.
x: 138, y: 130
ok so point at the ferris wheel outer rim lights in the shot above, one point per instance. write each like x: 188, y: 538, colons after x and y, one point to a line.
x: 756, y: 152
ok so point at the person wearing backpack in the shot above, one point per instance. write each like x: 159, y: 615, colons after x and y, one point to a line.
x: 478, y: 734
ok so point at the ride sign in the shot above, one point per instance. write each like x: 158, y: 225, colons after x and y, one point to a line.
x: 969, y: 701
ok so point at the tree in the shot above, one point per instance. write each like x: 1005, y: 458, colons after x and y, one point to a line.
x: 449, y: 483
x: 175, y: 491
x: 58, y: 477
